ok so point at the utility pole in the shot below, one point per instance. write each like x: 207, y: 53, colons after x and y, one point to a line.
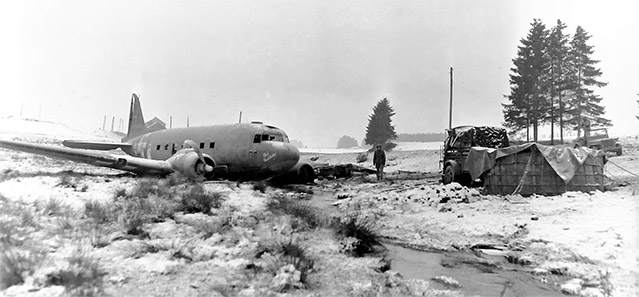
x: 240, y: 117
x: 187, y: 121
x: 170, y: 122
x: 112, y: 123
x: 104, y: 123
x: 450, y: 109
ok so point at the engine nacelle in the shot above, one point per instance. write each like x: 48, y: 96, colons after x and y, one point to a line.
x: 187, y: 162
x: 301, y: 173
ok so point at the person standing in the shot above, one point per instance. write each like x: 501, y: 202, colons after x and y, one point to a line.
x: 379, y: 160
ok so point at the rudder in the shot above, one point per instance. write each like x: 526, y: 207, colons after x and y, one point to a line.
x: 136, y: 119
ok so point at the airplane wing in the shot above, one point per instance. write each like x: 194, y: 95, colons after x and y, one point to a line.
x: 102, y: 146
x: 126, y: 163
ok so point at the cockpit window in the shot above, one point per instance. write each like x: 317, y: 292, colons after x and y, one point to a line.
x: 269, y: 137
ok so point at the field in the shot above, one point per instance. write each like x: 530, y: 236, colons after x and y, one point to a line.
x: 73, y: 229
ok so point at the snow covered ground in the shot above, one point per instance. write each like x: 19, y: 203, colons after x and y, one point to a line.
x: 574, y: 239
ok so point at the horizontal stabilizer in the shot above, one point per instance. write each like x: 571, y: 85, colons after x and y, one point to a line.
x: 101, y: 146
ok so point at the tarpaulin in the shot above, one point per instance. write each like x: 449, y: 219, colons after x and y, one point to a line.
x: 564, y: 160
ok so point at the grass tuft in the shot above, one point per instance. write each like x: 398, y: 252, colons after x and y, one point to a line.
x: 260, y: 186
x: 279, y: 204
x: 199, y: 200
x: 288, y: 252
x: 362, y: 230
x: 82, y: 277
x: 16, y: 264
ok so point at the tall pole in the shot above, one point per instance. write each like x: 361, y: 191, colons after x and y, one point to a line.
x: 240, y: 117
x: 104, y: 123
x: 112, y: 123
x: 450, y: 109
x: 170, y: 122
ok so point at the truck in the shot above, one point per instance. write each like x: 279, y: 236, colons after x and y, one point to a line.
x: 598, y: 139
x: 457, y: 146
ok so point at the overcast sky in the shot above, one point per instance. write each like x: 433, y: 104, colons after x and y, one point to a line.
x: 312, y: 68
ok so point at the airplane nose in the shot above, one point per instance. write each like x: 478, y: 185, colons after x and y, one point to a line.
x: 292, y: 155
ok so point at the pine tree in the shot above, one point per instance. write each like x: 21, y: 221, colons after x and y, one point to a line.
x: 528, y: 101
x: 558, y: 76
x: 379, y: 128
x: 584, y: 105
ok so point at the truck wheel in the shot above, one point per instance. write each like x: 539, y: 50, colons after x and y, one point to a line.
x: 449, y: 175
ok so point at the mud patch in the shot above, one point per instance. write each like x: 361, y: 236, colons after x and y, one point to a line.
x: 478, y: 274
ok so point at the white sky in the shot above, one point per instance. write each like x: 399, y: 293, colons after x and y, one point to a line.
x: 312, y: 68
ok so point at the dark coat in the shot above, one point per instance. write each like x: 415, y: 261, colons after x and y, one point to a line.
x: 379, y: 158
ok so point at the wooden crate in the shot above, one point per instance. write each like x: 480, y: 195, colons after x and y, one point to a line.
x: 541, y: 178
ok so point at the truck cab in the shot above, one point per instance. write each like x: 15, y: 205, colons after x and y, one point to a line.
x: 457, y: 146
x: 598, y: 139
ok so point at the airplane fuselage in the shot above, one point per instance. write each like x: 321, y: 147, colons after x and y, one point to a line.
x: 252, y: 150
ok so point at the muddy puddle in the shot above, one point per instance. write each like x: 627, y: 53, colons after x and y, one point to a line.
x: 479, y: 274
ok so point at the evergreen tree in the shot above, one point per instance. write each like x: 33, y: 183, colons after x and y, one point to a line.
x: 379, y: 128
x: 346, y: 142
x: 584, y: 105
x: 558, y: 76
x: 528, y: 101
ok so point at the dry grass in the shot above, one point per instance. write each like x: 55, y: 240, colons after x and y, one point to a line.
x: 82, y: 277
x: 362, y: 230
x: 307, y: 215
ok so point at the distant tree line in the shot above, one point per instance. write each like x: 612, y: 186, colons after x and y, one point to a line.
x: 552, y: 82
x: 421, y: 137
x: 346, y: 142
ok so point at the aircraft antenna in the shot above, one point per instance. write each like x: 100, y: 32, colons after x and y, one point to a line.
x: 240, y: 117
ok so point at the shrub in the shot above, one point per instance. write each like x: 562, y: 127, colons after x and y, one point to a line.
x: 99, y: 212
x: 52, y: 207
x: 133, y: 216
x: 198, y: 200
x: 287, y: 252
x: 82, y: 277
x: 362, y: 230
x: 279, y: 204
x: 260, y: 186
x: 15, y: 264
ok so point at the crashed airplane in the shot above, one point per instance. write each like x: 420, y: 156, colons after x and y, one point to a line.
x: 237, y: 151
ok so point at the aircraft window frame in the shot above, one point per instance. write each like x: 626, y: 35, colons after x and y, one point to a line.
x: 265, y: 137
x: 158, y: 147
x: 212, y: 144
x: 257, y: 138
x: 166, y: 147
x: 202, y: 145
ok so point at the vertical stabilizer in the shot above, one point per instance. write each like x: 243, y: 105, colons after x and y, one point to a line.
x: 136, y: 119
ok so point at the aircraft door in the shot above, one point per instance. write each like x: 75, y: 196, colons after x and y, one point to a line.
x: 253, y: 150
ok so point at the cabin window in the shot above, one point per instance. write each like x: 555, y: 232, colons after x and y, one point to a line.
x: 211, y: 144
x: 201, y: 145
x: 257, y: 138
x: 166, y: 147
x: 157, y: 148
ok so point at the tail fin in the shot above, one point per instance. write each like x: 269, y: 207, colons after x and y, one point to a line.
x: 136, y: 119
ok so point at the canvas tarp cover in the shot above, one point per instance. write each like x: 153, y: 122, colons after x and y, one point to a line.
x: 564, y: 160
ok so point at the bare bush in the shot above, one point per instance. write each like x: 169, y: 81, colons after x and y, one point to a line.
x: 361, y: 229
x: 279, y: 204
x: 82, y: 277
